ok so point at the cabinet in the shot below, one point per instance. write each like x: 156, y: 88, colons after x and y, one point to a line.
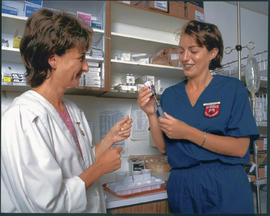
x: 11, y: 56
x: 124, y: 29
x: 157, y: 207
x: 135, y: 31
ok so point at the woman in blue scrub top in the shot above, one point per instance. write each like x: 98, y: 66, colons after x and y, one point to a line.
x: 207, y: 129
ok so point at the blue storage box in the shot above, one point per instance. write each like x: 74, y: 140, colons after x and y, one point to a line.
x: 30, y: 8
x: 36, y: 2
x: 15, y: 8
x: 9, y: 10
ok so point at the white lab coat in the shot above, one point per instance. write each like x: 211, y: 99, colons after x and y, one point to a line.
x: 40, y: 161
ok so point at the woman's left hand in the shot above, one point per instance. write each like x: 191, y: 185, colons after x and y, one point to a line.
x: 121, y: 130
x: 172, y: 127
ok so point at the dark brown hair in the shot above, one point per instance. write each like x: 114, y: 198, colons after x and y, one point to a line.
x: 48, y: 32
x: 207, y: 35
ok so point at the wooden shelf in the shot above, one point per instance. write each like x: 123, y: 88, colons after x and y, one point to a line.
x: 13, y: 17
x: 74, y: 91
x: 13, y: 55
x: 14, y: 88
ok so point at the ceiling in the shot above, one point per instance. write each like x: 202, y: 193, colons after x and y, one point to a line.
x: 256, y: 6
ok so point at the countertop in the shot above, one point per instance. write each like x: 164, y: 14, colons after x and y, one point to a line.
x: 116, y: 202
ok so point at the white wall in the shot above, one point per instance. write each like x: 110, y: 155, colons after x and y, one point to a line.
x: 92, y: 107
x: 254, y: 27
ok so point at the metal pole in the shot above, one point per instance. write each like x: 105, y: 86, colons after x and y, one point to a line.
x: 257, y: 182
x: 238, y: 46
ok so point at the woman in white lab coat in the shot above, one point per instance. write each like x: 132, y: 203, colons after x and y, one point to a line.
x: 48, y: 163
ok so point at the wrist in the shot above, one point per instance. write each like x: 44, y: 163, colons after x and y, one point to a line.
x: 188, y: 132
x: 108, y: 139
x: 99, y: 166
x: 151, y: 115
x: 204, y: 139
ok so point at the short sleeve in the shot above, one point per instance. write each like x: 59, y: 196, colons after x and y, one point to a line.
x: 241, y: 122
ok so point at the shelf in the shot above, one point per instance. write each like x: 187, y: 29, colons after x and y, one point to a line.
x: 101, y: 31
x: 13, y: 55
x: 261, y: 124
x: 136, y: 31
x: 94, y: 59
x: 74, y: 91
x: 260, y: 181
x: 133, y: 37
x: 14, y: 88
x: 149, y: 69
x: 14, y: 18
x: 92, y: 91
x: 137, y: 24
x: 8, y: 16
x: 123, y: 94
x: 135, y: 44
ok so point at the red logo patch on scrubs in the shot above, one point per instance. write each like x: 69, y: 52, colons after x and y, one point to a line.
x: 211, y: 109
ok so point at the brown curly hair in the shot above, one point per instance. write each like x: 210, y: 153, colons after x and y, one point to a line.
x: 48, y: 32
x: 208, y: 35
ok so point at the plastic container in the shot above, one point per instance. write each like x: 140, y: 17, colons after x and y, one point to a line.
x: 139, y: 184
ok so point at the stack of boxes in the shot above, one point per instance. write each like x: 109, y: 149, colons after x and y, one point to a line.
x: 31, y: 6
x: 153, y: 5
x: 127, y: 83
x: 187, y: 10
x: 167, y: 56
x: 21, y: 8
x: 89, y: 19
x: 13, y: 74
x: 181, y: 9
x: 93, y: 77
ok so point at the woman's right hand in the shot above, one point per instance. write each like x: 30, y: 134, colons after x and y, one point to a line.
x: 145, y: 101
x: 110, y: 160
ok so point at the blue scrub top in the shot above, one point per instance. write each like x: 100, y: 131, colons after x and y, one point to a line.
x: 233, y: 117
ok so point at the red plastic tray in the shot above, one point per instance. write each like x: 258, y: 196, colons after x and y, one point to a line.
x: 162, y: 188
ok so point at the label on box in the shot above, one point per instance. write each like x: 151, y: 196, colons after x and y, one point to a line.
x: 29, y: 9
x: 93, y: 64
x: 37, y: 2
x: 7, y: 79
x: 174, y: 56
x: 126, y: 2
x: 162, y: 5
x: 9, y: 10
x: 85, y: 17
x: 96, y: 24
x: 13, y: 7
x: 265, y: 143
x: 94, y: 69
x: 199, y: 16
x: 16, y: 42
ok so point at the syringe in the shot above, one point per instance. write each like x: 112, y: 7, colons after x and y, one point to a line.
x: 150, y: 85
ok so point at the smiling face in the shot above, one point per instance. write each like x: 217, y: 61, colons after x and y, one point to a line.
x: 68, y: 68
x: 195, y: 59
